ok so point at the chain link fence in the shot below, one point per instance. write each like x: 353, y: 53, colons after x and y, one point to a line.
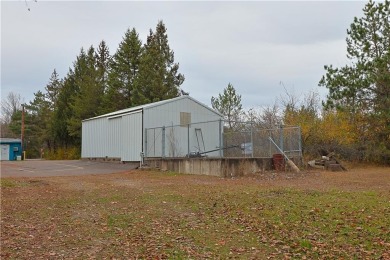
x: 221, y: 139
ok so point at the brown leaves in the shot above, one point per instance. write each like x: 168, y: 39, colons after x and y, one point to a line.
x: 193, y: 217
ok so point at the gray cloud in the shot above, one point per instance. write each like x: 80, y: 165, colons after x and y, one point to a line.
x: 253, y: 45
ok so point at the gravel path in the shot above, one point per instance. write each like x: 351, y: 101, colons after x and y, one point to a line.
x: 43, y: 168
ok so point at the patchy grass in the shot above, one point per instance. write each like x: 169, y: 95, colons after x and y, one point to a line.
x: 7, y: 183
x: 12, y: 183
x: 159, y: 215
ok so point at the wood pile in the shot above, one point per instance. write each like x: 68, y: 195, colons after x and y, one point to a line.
x: 328, y: 162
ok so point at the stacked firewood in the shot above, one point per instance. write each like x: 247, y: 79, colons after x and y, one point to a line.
x: 327, y: 162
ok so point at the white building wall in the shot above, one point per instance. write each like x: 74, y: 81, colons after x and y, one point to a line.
x: 114, y: 137
x: 176, y: 138
x: 131, y: 143
x: 211, y: 135
x: 94, y: 141
x: 121, y: 136
x: 168, y: 114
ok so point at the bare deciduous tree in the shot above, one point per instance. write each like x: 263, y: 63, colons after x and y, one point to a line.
x: 9, y: 106
x: 265, y: 117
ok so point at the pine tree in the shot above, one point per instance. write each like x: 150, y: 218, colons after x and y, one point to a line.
x: 86, y: 101
x: 63, y: 112
x: 158, y: 73
x: 103, y: 60
x: 229, y: 105
x: 123, y: 72
x: 39, y: 123
x: 53, y: 89
x: 65, y: 128
x: 363, y: 87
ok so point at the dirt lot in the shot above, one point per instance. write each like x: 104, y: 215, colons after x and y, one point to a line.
x: 160, y: 215
x: 44, y: 168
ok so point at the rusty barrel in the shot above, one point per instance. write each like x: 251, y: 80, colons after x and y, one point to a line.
x: 278, y: 160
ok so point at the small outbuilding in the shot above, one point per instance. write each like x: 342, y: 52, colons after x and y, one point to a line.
x: 11, y: 149
x: 128, y: 133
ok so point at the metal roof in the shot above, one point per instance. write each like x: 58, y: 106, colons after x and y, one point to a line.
x: 10, y: 140
x: 150, y: 105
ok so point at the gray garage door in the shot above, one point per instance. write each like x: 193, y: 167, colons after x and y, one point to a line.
x: 4, y: 152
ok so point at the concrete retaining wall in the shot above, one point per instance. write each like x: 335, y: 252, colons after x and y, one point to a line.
x: 222, y: 167
x: 103, y: 159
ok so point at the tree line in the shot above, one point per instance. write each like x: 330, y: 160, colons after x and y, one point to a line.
x: 97, y: 83
x: 354, y: 120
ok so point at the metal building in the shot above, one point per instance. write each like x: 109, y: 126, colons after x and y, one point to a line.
x: 11, y: 149
x: 123, y: 134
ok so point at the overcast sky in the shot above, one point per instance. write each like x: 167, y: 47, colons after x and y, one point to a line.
x: 253, y: 45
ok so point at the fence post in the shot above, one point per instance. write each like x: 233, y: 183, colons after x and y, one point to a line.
x: 146, y: 143
x: 253, y: 147
x: 281, y: 138
x: 270, y: 144
x: 300, y: 142
x: 163, y: 142
x: 154, y: 142
x: 220, y: 138
x: 188, y: 140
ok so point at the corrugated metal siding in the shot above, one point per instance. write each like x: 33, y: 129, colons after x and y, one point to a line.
x: 176, y: 139
x: 119, y: 137
x: 95, y: 141
x: 155, y: 104
x: 210, y: 132
x: 169, y: 113
x: 131, y: 137
x: 176, y: 144
x: 115, y: 135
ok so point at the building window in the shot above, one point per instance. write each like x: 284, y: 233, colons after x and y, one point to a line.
x: 185, y: 118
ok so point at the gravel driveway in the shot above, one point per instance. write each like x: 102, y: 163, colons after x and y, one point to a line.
x: 42, y: 168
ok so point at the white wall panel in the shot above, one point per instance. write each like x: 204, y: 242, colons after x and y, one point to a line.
x: 118, y: 137
x: 95, y: 139
x: 131, y: 137
x: 114, y: 135
x: 121, y: 136
x: 168, y: 114
x: 176, y: 139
